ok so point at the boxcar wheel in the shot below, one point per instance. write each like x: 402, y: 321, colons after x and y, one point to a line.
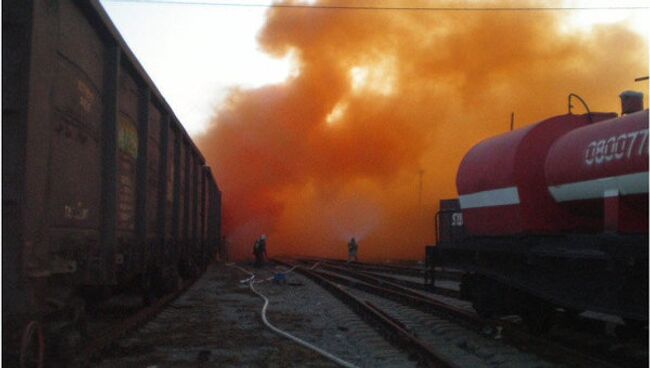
x: 79, y: 317
x: 32, y: 347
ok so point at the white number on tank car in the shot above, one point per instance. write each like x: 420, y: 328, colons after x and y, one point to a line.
x: 457, y: 219
x: 623, y: 146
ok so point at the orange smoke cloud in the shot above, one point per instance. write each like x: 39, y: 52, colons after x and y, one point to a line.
x: 379, y: 95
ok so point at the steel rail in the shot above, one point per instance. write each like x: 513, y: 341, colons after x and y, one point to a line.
x: 387, y: 268
x: 391, y: 282
x: 511, y: 333
x: 402, y: 270
x: 393, y: 330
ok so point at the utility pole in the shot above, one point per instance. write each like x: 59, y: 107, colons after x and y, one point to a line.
x: 420, y: 173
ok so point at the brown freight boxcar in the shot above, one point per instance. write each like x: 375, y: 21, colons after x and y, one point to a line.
x: 102, y: 186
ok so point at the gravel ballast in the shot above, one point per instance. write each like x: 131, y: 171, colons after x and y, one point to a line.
x: 217, y: 323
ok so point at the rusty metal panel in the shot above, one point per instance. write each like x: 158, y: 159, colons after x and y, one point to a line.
x: 127, y: 146
x: 62, y: 147
x: 202, y: 205
x: 36, y: 242
x: 75, y: 148
x: 180, y: 189
x: 197, y: 245
x: 16, y: 42
x: 197, y: 199
x: 73, y: 125
x: 206, y: 203
x: 214, y: 217
x: 185, y: 189
x: 218, y: 218
x: 142, y: 219
x: 163, y: 209
x: 210, y: 215
x: 88, y: 166
x: 191, y: 219
x: 153, y: 171
x: 104, y: 260
x: 171, y: 180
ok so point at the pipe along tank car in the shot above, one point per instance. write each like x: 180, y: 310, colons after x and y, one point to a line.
x: 554, y: 216
x: 103, y: 189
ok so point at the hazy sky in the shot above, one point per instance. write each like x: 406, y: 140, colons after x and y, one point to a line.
x: 196, y: 53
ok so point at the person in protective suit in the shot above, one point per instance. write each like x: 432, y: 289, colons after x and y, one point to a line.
x: 352, y: 250
x: 259, y: 250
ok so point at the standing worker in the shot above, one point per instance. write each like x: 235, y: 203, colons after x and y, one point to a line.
x: 352, y: 250
x: 259, y: 250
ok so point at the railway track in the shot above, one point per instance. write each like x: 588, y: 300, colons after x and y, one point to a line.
x: 511, y: 333
x: 218, y: 323
x: 396, y: 281
x: 431, y: 331
x: 416, y: 271
x: 393, y: 330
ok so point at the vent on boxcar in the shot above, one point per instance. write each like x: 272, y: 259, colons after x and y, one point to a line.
x: 631, y: 101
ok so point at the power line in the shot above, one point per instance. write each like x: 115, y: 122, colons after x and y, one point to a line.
x: 354, y: 7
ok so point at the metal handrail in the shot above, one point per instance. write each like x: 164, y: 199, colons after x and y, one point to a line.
x: 591, y: 120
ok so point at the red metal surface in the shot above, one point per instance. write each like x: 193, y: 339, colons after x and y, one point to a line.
x: 598, y: 154
x: 514, y: 160
x: 493, y: 221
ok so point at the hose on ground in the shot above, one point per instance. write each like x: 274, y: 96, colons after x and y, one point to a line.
x: 251, y: 281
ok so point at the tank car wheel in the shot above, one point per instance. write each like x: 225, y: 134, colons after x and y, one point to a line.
x: 485, y: 295
x: 482, y: 304
x: 632, y: 329
x: 465, y: 286
x: 634, y: 295
x: 571, y: 316
x: 32, y: 347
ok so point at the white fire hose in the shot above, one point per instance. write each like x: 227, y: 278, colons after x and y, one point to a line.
x: 251, y: 281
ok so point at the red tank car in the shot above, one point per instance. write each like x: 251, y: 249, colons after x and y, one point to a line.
x: 501, y: 180
x: 600, y: 174
x: 554, y: 215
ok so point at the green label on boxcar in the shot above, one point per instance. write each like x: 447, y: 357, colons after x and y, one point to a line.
x: 127, y: 137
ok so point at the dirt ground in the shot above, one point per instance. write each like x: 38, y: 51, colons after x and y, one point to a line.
x: 216, y: 323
